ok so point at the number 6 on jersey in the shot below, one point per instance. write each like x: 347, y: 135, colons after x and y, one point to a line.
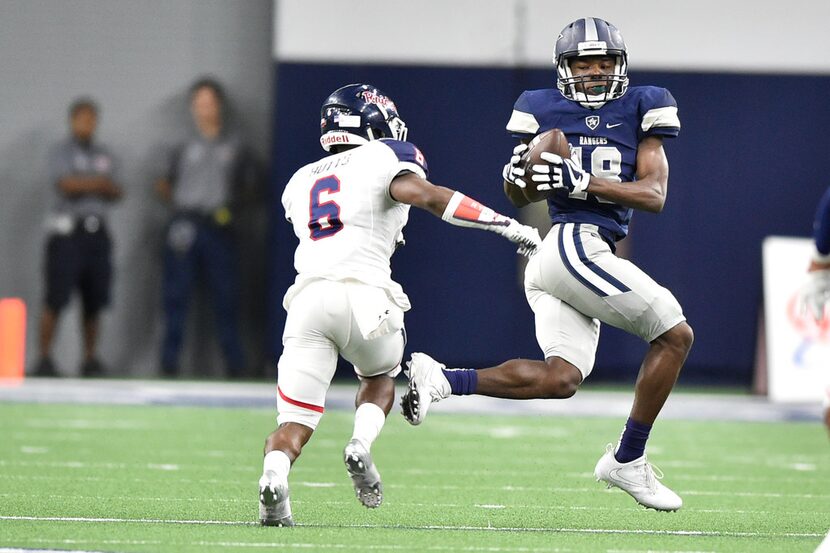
x: 324, y: 217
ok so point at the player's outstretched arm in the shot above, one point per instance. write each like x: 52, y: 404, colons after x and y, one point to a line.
x: 457, y: 209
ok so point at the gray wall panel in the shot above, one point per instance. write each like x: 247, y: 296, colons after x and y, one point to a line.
x: 137, y: 59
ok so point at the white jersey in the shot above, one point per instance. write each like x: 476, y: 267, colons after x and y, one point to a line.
x: 347, y: 222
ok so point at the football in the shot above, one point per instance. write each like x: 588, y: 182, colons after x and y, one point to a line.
x: 552, y: 141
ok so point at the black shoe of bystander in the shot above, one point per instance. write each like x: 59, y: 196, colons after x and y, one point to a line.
x: 92, y: 368
x: 45, y: 367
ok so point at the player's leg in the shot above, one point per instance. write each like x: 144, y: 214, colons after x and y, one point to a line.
x: 372, y: 404
x: 659, y: 371
x: 282, y: 447
x: 377, y: 362
x: 304, y: 372
x: 567, y: 338
x: 588, y: 276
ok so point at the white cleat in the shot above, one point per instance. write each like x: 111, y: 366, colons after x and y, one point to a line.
x: 427, y: 384
x: 274, y: 506
x: 638, y: 479
x: 364, y: 474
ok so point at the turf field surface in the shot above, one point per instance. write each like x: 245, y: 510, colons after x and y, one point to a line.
x: 151, y: 478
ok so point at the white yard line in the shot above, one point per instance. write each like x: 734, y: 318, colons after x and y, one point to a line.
x: 687, y: 509
x: 700, y: 533
x: 446, y: 487
x: 294, y: 545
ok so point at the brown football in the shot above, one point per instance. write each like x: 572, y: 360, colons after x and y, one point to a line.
x: 553, y: 141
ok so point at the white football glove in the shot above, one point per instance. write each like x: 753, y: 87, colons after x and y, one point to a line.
x: 512, y: 173
x: 525, y: 236
x: 814, y: 296
x: 559, y: 172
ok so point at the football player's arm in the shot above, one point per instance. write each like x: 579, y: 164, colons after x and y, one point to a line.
x: 457, y: 209
x: 409, y: 188
x: 512, y: 190
x: 648, y: 192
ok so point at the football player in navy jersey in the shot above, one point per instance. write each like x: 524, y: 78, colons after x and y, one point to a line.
x: 348, y: 210
x: 814, y: 296
x: 617, y: 165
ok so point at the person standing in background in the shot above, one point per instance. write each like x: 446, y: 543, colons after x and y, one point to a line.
x: 203, y: 177
x: 78, y: 247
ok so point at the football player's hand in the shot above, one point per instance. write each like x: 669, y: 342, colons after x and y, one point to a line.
x: 559, y: 172
x: 525, y: 236
x: 512, y: 173
x: 814, y: 296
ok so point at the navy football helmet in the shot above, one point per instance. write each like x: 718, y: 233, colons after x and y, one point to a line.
x: 591, y: 36
x: 357, y: 113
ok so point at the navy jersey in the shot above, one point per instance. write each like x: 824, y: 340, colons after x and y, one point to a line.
x: 821, y: 224
x: 605, y: 140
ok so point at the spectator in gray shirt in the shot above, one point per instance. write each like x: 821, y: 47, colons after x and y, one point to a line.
x: 78, y: 248
x: 203, y: 178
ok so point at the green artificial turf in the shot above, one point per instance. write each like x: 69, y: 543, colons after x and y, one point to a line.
x: 182, y: 479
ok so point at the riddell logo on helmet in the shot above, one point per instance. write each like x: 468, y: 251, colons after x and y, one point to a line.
x: 335, y: 138
x: 382, y: 101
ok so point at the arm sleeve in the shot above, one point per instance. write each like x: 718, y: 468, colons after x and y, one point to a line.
x: 463, y: 211
x: 821, y: 226
x: 522, y: 123
x: 659, y: 109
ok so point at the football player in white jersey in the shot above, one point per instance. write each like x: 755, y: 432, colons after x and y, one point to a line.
x: 348, y: 210
x: 616, y: 134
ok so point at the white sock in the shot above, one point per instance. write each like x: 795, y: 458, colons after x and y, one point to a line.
x: 278, y: 462
x: 368, y: 422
